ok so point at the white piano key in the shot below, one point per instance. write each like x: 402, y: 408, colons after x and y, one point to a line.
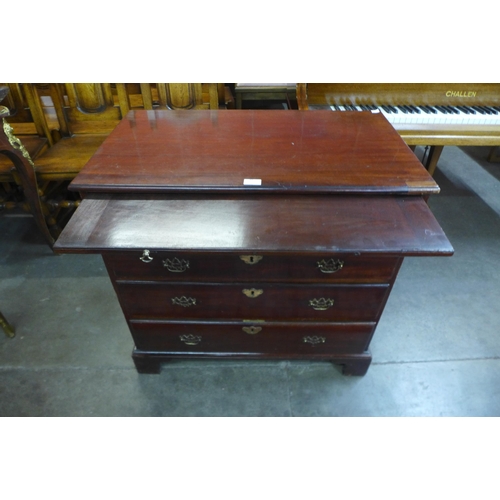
x: 438, y: 118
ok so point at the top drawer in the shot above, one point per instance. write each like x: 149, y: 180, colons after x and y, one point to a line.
x: 270, y: 267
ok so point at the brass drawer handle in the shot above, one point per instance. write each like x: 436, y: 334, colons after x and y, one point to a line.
x: 252, y: 330
x: 251, y: 259
x: 253, y: 292
x: 184, y: 301
x: 321, y: 304
x: 145, y: 257
x: 176, y: 265
x: 330, y: 266
x: 190, y: 339
x: 314, y: 340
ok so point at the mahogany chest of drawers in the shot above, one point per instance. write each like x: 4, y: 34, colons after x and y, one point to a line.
x: 253, y: 235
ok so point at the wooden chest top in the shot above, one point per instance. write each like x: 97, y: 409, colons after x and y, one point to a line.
x: 254, y: 151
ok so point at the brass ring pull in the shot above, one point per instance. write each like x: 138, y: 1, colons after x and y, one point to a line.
x: 330, y: 266
x: 184, y: 301
x: 146, y: 257
x: 253, y: 292
x: 251, y: 259
x: 314, y: 340
x: 321, y: 304
x: 176, y: 265
x: 190, y: 339
x: 252, y: 330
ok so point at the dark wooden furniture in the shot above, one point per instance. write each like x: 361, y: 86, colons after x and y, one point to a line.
x: 466, y: 123
x: 21, y: 166
x: 263, y: 92
x: 27, y: 120
x: 253, y: 234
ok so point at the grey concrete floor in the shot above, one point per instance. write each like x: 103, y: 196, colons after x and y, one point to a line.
x: 436, y: 351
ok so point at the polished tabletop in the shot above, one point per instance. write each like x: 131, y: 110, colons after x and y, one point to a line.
x: 277, y: 151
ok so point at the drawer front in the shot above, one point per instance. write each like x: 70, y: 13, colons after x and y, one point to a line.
x: 171, y: 266
x: 252, y: 301
x: 252, y: 338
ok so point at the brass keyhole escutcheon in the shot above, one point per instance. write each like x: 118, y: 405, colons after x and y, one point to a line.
x: 253, y: 292
x: 251, y: 259
x: 252, y: 330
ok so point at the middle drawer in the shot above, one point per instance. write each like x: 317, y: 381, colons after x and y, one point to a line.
x: 252, y: 301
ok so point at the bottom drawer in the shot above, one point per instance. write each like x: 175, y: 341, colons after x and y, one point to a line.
x: 251, y: 337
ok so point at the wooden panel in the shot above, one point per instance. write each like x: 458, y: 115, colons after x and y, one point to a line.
x: 272, y: 301
x: 268, y: 337
x: 331, y: 224
x: 87, y: 97
x: 206, y: 266
x: 454, y: 94
x: 254, y: 150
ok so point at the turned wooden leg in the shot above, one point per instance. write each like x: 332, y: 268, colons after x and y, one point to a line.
x: 146, y: 364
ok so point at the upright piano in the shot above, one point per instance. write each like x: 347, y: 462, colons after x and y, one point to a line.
x: 435, y: 115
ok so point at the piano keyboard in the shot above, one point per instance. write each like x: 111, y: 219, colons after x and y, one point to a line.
x: 431, y: 115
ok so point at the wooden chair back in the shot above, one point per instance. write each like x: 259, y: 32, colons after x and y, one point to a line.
x: 88, y: 108
x: 180, y: 96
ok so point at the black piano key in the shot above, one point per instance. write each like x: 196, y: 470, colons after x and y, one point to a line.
x: 453, y: 110
x: 431, y: 109
x: 479, y: 110
x: 496, y: 107
x: 387, y: 109
x: 471, y: 111
x: 363, y: 107
x: 425, y: 110
x: 393, y: 109
x: 492, y: 109
x: 415, y: 109
x: 486, y: 110
x: 402, y: 108
x: 373, y: 108
x: 442, y: 109
x: 464, y: 109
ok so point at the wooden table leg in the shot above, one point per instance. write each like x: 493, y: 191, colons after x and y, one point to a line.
x: 494, y: 156
x: 7, y: 328
x: 434, y: 154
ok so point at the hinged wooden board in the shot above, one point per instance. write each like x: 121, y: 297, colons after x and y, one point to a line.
x: 401, y: 225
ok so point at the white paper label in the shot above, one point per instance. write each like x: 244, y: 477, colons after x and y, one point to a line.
x: 252, y: 182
